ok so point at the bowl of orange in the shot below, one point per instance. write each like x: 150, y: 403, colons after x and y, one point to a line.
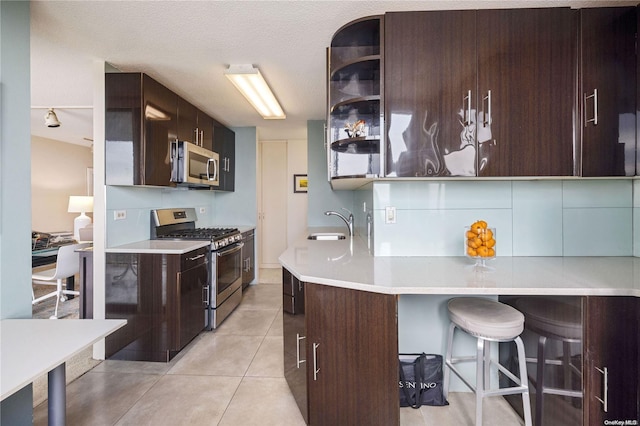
x: 480, y: 241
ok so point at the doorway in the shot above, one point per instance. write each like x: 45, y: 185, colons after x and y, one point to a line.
x: 272, y: 202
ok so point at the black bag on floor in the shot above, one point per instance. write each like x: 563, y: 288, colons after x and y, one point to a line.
x: 421, y: 380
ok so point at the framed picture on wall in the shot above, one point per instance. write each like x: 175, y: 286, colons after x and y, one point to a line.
x: 300, y: 183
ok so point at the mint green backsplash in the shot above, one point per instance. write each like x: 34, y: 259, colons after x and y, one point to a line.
x: 532, y: 218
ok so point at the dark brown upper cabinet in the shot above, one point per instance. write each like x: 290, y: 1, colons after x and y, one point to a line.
x: 479, y: 93
x: 142, y: 118
x: 430, y: 72
x: 194, y: 125
x: 607, y: 99
x: 140, y: 123
x: 526, y: 77
x: 224, y: 143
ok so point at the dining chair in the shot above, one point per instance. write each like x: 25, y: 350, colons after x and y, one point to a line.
x: 67, y: 265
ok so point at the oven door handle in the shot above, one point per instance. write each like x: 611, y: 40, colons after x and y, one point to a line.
x: 230, y: 251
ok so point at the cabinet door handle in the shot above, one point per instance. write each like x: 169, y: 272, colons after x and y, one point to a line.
x: 201, y: 137
x: 486, y: 121
x: 467, y: 118
x: 316, y: 370
x: 298, y: 360
x: 605, y: 388
x: 200, y: 256
x: 594, y: 95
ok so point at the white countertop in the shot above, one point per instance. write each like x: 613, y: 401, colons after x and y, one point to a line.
x: 348, y: 263
x: 160, y: 246
x: 30, y: 348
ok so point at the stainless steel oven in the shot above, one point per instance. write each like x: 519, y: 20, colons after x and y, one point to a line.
x: 225, y: 284
x: 226, y: 290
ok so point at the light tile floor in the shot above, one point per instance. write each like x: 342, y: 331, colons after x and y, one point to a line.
x: 231, y: 376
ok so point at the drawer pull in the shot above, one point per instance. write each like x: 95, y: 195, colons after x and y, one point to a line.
x: 200, y: 256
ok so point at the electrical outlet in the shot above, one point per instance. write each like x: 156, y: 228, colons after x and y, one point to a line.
x: 389, y: 214
x: 202, y: 210
x: 119, y: 214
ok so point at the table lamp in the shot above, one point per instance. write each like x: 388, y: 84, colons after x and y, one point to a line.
x: 80, y: 204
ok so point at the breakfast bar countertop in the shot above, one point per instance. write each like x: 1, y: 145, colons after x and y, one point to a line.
x: 349, y: 263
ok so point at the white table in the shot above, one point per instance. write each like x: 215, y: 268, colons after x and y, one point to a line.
x: 31, y: 347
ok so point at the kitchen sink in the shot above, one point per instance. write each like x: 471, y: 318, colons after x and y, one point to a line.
x: 326, y: 236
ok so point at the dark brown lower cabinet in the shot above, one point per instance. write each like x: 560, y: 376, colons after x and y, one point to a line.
x: 611, y: 361
x: 161, y: 297
x: 352, y: 356
x: 604, y: 361
x: 341, y: 353
x: 294, y: 333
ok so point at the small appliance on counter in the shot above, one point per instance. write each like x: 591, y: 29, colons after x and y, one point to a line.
x: 225, y: 288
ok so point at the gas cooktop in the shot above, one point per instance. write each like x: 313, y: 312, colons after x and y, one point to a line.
x: 179, y: 224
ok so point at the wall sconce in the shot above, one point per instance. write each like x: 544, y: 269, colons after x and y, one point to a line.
x: 51, y: 119
x: 80, y: 204
x: 252, y: 85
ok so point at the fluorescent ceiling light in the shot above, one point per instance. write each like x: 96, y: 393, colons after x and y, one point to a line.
x: 252, y: 85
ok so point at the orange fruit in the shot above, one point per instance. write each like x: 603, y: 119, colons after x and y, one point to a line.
x: 486, y: 234
x: 471, y: 251
x: 471, y: 234
x: 490, y: 243
x: 491, y: 252
x: 483, y: 251
x: 478, y: 225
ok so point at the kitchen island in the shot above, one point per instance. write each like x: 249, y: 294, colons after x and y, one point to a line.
x: 357, y: 307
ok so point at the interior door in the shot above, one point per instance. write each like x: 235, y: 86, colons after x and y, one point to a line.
x: 272, y: 218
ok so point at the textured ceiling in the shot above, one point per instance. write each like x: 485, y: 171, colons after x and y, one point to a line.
x: 187, y: 45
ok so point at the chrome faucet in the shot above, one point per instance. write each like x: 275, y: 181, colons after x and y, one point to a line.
x: 348, y: 222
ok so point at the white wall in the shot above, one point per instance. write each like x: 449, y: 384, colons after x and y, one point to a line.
x: 58, y: 170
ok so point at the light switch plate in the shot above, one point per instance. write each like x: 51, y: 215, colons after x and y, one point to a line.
x: 389, y: 214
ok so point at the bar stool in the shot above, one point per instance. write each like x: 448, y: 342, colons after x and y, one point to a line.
x: 488, y: 321
x: 555, y: 320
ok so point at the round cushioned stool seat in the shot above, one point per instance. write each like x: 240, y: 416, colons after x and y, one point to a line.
x: 486, y: 318
x: 548, y: 316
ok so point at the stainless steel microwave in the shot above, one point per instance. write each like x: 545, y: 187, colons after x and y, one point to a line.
x: 192, y: 165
